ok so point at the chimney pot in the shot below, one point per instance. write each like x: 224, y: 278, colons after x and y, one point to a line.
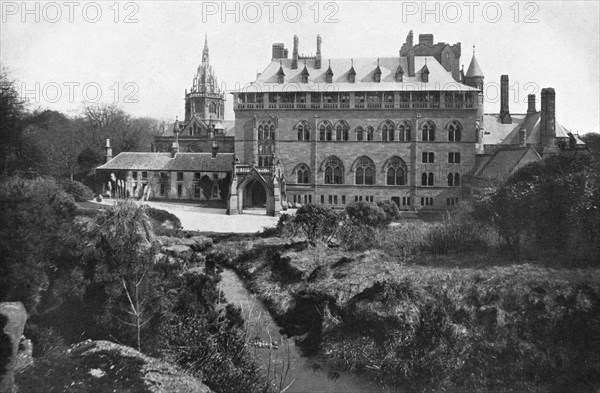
x: 174, y: 149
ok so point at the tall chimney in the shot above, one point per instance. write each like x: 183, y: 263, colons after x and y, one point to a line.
x: 426, y: 39
x: 295, y: 53
x: 410, y: 56
x: 531, y: 104
x: 504, y: 112
x: 174, y: 149
x: 318, y: 56
x: 548, y: 119
x: 108, y: 151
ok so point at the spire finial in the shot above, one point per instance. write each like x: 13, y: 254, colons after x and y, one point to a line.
x: 205, y: 51
x: 329, y: 62
x: 352, y: 61
x: 473, y: 49
x: 425, y: 61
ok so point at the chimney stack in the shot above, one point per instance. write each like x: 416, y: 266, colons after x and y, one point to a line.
x: 279, y: 51
x: 108, y: 151
x: 504, y: 112
x: 548, y: 119
x: 174, y: 149
x: 410, y: 56
x: 318, y: 56
x: 295, y: 53
x: 215, y: 149
x: 531, y: 104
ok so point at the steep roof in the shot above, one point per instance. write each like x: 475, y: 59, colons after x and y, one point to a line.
x: 474, y: 70
x: 144, y: 161
x: 365, y: 68
x: 508, y: 134
x: 505, y: 161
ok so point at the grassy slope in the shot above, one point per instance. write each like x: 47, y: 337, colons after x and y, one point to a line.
x: 510, y: 327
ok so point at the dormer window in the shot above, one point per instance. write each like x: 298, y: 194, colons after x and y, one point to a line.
x: 425, y: 73
x: 329, y: 74
x: 399, y: 74
x: 352, y: 73
x: 280, y: 73
x: 304, y: 75
x: 377, y: 73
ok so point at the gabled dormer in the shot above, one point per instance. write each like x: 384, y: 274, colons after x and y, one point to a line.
x: 399, y: 73
x: 304, y: 74
x: 377, y: 73
x: 329, y: 74
x: 425, y: 73
x: 280, y: 73
x: 352, y: 73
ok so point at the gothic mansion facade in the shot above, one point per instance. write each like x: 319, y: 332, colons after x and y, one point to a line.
x: 333, y: 131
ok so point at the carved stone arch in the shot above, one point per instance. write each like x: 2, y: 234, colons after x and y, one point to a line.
x: 327, y: 160
x: 454, y: 130
x: 325, y: 130
x: 342, y: 130
x: 301, y: 173
x: 364, y: 171
x: 362, y: 161
x: 387, y: 130
x: 333, y: 170
x: 394, y: 161
x: 395, y: 171
x: 303, y: 130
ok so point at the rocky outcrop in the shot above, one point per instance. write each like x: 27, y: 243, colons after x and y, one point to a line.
x: 103, y: 366
x: 12, y: 322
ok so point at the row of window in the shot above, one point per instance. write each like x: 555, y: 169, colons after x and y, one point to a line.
x: 343, y: 97
x: 389, y: 131
x: 427, y: 179
x: 428, y: 157
x: 404, y: 201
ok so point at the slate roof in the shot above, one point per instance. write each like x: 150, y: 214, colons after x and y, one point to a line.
x: 365, y: 68
x: 474, y: 69
x: 508, y: 134
x: 504, y: 161
x: 183, y: 162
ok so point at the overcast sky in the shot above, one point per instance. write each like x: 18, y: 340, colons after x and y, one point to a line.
x: 62, y: 52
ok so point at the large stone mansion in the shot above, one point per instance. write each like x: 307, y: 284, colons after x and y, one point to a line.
x: 409, y: 128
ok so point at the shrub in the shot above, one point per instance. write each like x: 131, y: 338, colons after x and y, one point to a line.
x: 164, y: 223
x: 317, y: 222
x: 79, y: 191
x: 365, y: 213
x: 357, y: 237
x: 391, y: 210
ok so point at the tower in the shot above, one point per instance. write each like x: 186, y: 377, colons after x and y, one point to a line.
x: 205, y: 99
x: 474, y: 78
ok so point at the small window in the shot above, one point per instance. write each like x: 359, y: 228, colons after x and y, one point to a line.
x: 162, y: 189
x: 144, y: 175
x: 163, y: 175
x: 196, y: 176
x: 427, y: 157
x: 330, y: 199
x: 428, y: 131
x: 179, y: 176
x: 427, y: 179
x: 179, y: 190
x: 343, y: 199
x: 322, y: 199
x: 454, y: 158
x: 134, y: 174
x: 197, y: 191
x: 454, y: 131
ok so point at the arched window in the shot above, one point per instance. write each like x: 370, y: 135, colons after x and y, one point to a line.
x: 453, y: 179
x: 387, y: 131
x: 325, y: 131
x: 334, y: 171
x: 272, y: 132
x: 396, y: 172
x: 303, y: 174
x: 370, y: 133
x: 212, y: 107
x: 260, y: 132
x: 454, y: 131
x: 427, y: 179
x: 359, y: 133
x: 428, y: 129
x: 341, y: 131
x: 365, y: 171
x: 303, y: 129
x: 404, y: 132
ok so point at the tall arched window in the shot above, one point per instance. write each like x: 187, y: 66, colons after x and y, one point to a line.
x: 396, y: 172
x: 365, y: 171
x: 325, y: 131
x: 303, y: 129
x: 303, y: 174
x: 428, y: 129
x: 453, y: 179
x: 266, y: 146
x: 370, y: 133
x: 427, y: 179
x: 454, y: 131
x: 260, y: 132
x: 334, y: 171
x: 359, y: 133
x: 387, y: 131
x: 341, y: 131
x: 212, y: 107
x: 404, y: 132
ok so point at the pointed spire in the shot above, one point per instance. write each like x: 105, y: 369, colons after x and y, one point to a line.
x: 474, y: 70
x: 329, y: 71
x: 304, y: 71
x: 280, y: 72
x: 205, y: 50
x: 352, y: 72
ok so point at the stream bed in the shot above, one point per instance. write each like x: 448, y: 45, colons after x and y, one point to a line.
x: 279, y: 353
